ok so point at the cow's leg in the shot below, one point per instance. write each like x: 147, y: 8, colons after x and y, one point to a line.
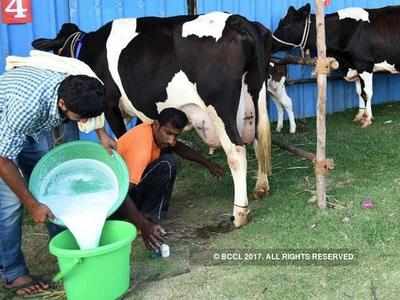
x: 236, y: 156
x: 366, y: 79
x: 113, y: 113
x: 353, y: 76
x: 361, y: 103
x: 273, y: 89
x: 279, y: 109
x: 288, y: 105
x: 262, y: 185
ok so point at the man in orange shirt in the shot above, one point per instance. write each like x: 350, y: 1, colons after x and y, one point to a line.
x: 146, y: 150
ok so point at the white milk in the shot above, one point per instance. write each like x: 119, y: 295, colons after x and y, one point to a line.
x: 80, y: 193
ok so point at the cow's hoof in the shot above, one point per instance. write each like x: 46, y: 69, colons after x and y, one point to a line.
x: 279, y: 128
x: 260, y: 193
x: 358, y: 117
x: 365, y: 122
x: 241, y: 216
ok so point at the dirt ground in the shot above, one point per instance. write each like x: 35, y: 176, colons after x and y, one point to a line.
x: 190, y: 225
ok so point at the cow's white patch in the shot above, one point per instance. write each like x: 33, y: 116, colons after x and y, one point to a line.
x: 356, y: 13
x: 211, y: 24
x: 245, y: 118
x: 122, y: 32
x: 385, y: 67
x: 180, y: 91
x: 182, y: 94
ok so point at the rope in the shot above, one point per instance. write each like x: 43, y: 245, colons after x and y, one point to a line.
x: 304, y: 39
x: 322, y: 167
x: 75, y: 36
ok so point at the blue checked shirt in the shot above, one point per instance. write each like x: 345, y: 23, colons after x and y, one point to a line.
x: 28, y: 105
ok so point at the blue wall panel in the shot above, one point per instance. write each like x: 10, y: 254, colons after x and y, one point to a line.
x: 341, y: 94
x: 49, y: 15
x: 91, y: 14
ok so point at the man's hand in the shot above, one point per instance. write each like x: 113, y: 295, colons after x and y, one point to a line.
x: 152, y: 235
x: 107, y: 141
x: 188, y: 153
x: 40, y: 213
x: 215, y: 169
x: 12, y: 177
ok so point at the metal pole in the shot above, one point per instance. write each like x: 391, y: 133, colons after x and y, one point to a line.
x: 192, y: 7
x: 321, y: 107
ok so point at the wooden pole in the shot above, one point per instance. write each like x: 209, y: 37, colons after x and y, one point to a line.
x: 321, y: 106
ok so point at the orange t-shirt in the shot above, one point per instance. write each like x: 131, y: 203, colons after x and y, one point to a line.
x: 138, y: 149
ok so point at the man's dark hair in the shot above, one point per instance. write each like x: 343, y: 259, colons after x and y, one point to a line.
x: 173, y: 116
x: 83, y: 95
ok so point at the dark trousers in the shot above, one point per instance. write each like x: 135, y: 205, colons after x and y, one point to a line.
x: 153, y: 193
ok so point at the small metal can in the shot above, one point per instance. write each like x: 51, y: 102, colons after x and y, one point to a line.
x: 164, y: 249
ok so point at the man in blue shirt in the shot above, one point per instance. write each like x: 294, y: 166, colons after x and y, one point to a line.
x: 32, y: 102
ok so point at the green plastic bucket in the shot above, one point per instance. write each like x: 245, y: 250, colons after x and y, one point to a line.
x: 79, y: 150
x: 102, y: 273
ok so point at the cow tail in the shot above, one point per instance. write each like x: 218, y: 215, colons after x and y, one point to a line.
x: 263, y: 47
x: 263, y: 134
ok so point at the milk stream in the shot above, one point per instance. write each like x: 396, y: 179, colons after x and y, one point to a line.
x: 80, y: 193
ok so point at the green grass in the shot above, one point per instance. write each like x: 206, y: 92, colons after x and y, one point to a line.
x: 366, y: 165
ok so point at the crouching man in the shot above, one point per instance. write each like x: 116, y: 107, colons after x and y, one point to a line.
x: 148, y: 152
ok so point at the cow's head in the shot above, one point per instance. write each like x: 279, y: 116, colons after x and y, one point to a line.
x: 61, y: 45
x: 293, y: 29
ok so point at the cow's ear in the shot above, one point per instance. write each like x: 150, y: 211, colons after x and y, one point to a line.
x: 305, y: 10
x: 67, y: 29
x: 261, y: 29
x: 291, y: 10
x: 47, y: 44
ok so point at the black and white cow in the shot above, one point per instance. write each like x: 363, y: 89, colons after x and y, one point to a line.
x: 362, y: 40
x: 213, y: 67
